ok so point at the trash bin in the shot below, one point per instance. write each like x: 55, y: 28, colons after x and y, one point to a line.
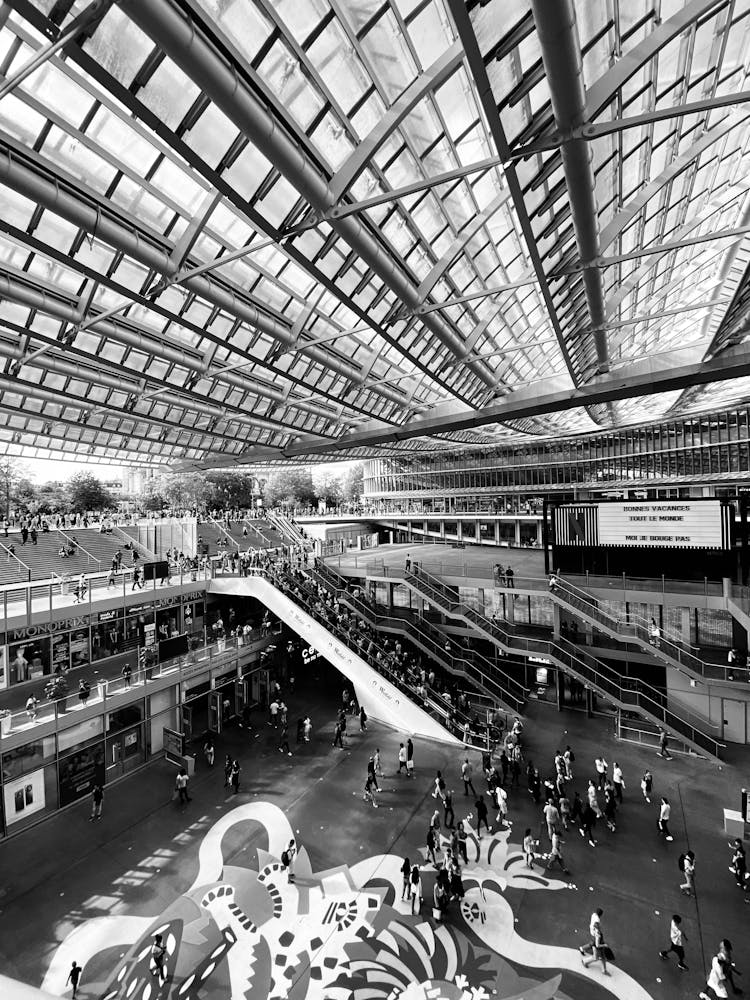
x: 103, y: 689
x: 189, y: 764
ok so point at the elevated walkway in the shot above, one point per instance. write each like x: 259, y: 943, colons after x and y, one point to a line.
x: 382, y: 700
x: 626, y: 693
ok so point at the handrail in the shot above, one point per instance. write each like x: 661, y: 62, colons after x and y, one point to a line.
x: 77, y: 544
x: 224, y: 531
x: 135, y: 542
x: 12, y: 555
x: 629, y: 692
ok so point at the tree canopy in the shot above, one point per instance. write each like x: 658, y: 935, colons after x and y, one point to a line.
x: 288, y: 486
x: 85, y: 492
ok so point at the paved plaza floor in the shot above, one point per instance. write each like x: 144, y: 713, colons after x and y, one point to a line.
x: 208, y: 877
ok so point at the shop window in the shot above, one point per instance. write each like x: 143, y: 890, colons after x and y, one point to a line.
x: 29, y: 757
x: 123, y: 718
x: 77, y: 737
x: 25, y: 797
x: 78, y: 772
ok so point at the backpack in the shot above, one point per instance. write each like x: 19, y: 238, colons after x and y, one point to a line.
x: 572, y: 757
x: 285, y: 858
x: 681, y: 862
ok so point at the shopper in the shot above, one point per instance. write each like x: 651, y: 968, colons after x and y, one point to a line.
x: 406, y: 873
x: 597, y: 945
x: 665, y: 811
x: 677, y: 939
x: 555, y: 854
x: 97, y: 801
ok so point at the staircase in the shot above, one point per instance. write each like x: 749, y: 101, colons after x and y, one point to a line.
x: 503, y: 691
x: 291, y: 533
x: 627, y: 693
x: 669, y: 649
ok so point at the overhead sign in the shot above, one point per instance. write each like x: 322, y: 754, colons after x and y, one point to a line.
x: 665, y: 524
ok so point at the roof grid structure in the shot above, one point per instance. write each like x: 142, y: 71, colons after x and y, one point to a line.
x: 242, y: 229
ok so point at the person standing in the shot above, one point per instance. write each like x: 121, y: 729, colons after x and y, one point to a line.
x: 618, y: 782
x: 415, y: 888
x: 338, y: 736
x: 402, y: 759
x: 552, y: 817
x: 448, y: 809
x: 665, y: 811
x: 209, y: 751
x: 227, y: 770
x: 597, y: 944
x: 409, y: 758
x: 677, y: 938
x: 406, y: 874
x: 467, y: 773
x: 601, y: 772
x: 376, y: 761
x: 97, y: 801
x: 181, y: 784
x: 688, y: 870
x: 74, y: 977
x: 127, y: 673
x: 362, y: 719
x: 273, y: 710
x: 371, y: 772
x: 235, y: 776
x: 431, y: 843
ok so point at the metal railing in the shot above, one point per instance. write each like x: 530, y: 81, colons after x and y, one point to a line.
x: 77, y: 547
x: 627, y: 692
x: 136, y: 543
x: 224, y: 531
x: 26, y: 570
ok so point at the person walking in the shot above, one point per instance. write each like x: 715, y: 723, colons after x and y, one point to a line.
x: 601, y: 772
x: 371, y: 771
x: 568, y: 760
x: 597, y: 944
x: 376, y: 761
x: 501, y: 797
x: 235, y: 776
x: 739, y: 862
x: 227, y: 770
x: 209, y: 751
x: 127, y: 673
x: 181, y: 784
x: 467, y: 773
x: 402, y: 759
x: 665, y: 811
x: 555, y: 854
x: 284, y: 740
x: 528, y: 848
x: 618, y: 782
x: 439, y: 789
x: 587, y: 824
x: 730, y: 969
x: 431, y: 844
x: 677, y: 938
x: 157, y: 959
x: 647, y: 782
x: 287, y: 859
x: 481, y: 807
x: 369, y: 793
x: 338, y: 736
x: 362, y: 719
x: 461, y: 841
x: 409, y: 758
x: 688, y: 870
x: 74, y: 977
x: 717, y: 979
x: 551, y: 817
x: 448, y: 809
x: 663, y: 743
x: 97, y: 801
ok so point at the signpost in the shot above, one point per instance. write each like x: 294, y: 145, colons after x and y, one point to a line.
x: 174, y: 746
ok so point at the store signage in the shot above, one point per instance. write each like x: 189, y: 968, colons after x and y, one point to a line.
x: 174, y: 745
x: 309, y: 653
x: 47, y: 628
x: 111, y: 616
x: 666, y: 524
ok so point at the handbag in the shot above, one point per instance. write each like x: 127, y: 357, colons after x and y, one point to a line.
x: 607, y: 953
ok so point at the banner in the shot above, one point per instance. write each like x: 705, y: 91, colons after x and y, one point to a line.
x: 665, y: 524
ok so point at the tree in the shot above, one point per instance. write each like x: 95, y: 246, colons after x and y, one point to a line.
x: 12, y: 472
x: 328, y: 486
x: 51, y: 498
x: 86, y: 492
x: 185, y: 489
x: 289, y: 486
x: 234, y: 489
x: 353, y: 483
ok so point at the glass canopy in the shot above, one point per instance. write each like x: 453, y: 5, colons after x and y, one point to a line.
x: 233, y: 230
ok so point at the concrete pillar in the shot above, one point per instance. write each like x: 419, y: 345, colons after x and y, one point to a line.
x: 390, y: 587
x: 509, y: 608
x: 517, y: 529
x: 497, y: 532
x: 589, y: 702
x: 556, y: 618
x: 459, y: 530
x: 539, y: 533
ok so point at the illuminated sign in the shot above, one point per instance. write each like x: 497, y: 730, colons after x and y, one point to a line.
x: 665, y: 524
x: 309, y: 653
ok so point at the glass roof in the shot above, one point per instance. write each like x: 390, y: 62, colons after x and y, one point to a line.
x: 285, y: 223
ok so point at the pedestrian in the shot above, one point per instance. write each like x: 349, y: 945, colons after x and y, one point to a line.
x: 481, y: 807
x: 462, y: 839
x: 157, y: 959
x: 74, y: 977
x: 610, y: 807
x: 646, y: 785
x: 552, y: 817
x: 597, y: 944
x: 665, y: 811
x: 409, y: 758
x: 677, y: 938
x: 235, y: 776
x: 663, y: 739
x: 378, y: 766
x: 568, y: 760
x: 587, y: 824
x: 439, y: 788
x: 97, y: 800
x: 209, y: 751
x: 287, y: 859
x: 371, y: 771
x: 181, y: 785
x: 431, y: 844
x: 555, y: 854
x: 227, y: 770
x: 338, y: 736
x: 725, y: 954
x: 528, y: 847
x: 406, y: 872
x: 688, y: 869
x: 739, y: 863
x: 84, y: 690
x: 448, y: 809
x: 284, y: 740
x: 501, y: 797
x: 592, y: 797
x: 402, y: 759
x: 416, y: 888
x: 127, y: 673
x: 435, y: 824
x: 362, y: 719
x: 273, y: 710
x: 618, y: 782
x: 601, y: 772
x: 32, y: 704
x: 467, y: 772
x: 369, y: 794
x: 717, y: 979
x: 308, y: 729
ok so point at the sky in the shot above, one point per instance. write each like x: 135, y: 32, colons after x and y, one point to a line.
x: 43, y: 470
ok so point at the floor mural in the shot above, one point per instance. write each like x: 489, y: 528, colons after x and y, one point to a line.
x: 340, y: 934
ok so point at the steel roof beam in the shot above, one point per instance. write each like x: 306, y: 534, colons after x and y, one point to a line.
x: 220, y: 81
x: 561, y: 55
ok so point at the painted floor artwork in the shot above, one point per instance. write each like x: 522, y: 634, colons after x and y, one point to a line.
x: 339, y: 934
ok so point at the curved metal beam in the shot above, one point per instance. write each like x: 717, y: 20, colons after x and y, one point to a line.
x: 561, y: 55
x: 424, y: 84
x: 193, y: 54
x: 605, y: 89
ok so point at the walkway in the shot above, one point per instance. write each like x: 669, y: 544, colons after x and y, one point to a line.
x: 341, y: 931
